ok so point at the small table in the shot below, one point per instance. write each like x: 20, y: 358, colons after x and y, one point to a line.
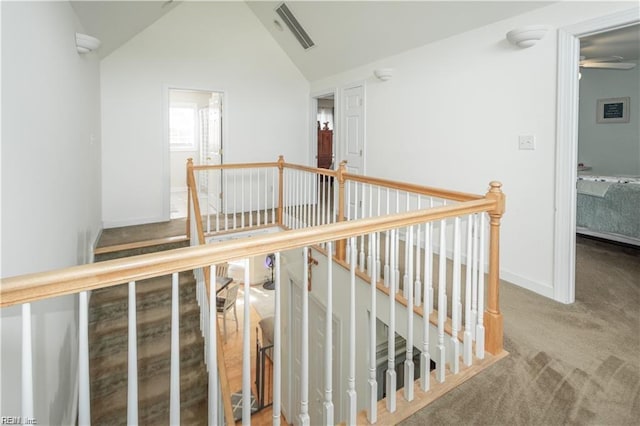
x: 222, y: 283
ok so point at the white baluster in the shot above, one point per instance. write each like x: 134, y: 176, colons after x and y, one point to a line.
x: 174, y: 404
x: 391, y: 338
x: 418, y: 283
x: 277, y: 346
x: 408, y: 362
x: 396, y: 271
x: 243, y: 195
x: 250, y: 173
x: 235, y: 199
x: 27, y: 363
x: 468, y: 337
x: 350, y: 240
x: 372, y: 410
x: 84, y: 389
x: 425, y: 356
x: 369, y: 251
x: 352, y: 399
x: 327, y: 202
x: 258, y: 209
x: 274, y: 188
x: 305, y: 221
x: 474, y: 278
x: 480, y: 326
x: 327, y: 411
x: 208, y: 194
x: 212, y: 353
x: 455, y: 302
x: 386, y: 249
x: 224, y: 200
x: 406, y: 282
x: 303, y: 417
x: 442, y: 302
x: 132, y: 388
x: 378, y: 262
x: 428, y: 264
x: 246, y: 348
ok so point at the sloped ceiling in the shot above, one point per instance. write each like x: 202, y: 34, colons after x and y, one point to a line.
x: 116, y: 22
x: 348, y: 34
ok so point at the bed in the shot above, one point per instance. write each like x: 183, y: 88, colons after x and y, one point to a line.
x: 609, y: 207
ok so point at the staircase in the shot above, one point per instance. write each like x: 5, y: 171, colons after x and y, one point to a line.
x: 108, y: 339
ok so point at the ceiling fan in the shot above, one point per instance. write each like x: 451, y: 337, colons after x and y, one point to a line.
x: 608, y: 63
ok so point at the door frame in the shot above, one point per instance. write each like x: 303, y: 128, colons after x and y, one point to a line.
x: 313, y: 130
x: 166, y: 149
x: 564, y: 249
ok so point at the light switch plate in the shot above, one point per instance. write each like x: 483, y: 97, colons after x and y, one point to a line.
x: 527, y: 142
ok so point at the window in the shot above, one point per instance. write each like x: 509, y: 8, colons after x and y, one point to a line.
x: 182, y: 126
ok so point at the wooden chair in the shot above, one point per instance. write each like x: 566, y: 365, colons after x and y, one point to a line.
x: 226, y: 302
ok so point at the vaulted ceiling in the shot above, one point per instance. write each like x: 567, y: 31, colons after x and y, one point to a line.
x: 346, y: 33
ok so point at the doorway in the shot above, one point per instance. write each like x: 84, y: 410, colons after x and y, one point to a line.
x: 567, y: 145
x: 195, y: 131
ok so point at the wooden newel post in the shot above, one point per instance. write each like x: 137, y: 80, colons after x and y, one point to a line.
x: 280, y: 188
x: 189, y: 173
x: 342, y: 244
x: 492, y: 317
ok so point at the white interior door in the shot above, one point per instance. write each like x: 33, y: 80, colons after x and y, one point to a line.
x: 317, y: 314
x: 354, y: 141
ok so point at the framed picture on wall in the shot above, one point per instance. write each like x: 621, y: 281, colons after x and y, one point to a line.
x: 613, y: 110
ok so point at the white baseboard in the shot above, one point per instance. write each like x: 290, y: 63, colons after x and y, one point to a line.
x: 526, y: 283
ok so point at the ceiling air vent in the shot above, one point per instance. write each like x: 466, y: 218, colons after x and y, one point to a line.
x: 295, y: 27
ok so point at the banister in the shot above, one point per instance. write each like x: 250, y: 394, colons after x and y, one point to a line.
x: 234, y: 166
x: 414, y: 188
x: 316, y: 170
x: 42, y: 285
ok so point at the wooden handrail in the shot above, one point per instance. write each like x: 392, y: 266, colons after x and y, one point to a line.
x: 411, y: 187
x: 234, y: 166
x: 37, y: 286
x: 316, y: 170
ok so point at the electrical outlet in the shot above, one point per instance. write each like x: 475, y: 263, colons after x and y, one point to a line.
x: 527, y: 142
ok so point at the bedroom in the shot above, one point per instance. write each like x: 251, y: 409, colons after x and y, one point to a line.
x: 609, y: 140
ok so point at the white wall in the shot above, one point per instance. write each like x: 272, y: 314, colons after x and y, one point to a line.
x: 216, y: 46
x: 50, y: 190
x: 613, y: 148
x: 451, y: 116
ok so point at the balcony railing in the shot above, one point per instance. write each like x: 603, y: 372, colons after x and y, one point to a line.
x: 392, y: 235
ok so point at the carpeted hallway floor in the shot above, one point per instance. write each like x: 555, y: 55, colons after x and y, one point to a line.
x: 569, y: 364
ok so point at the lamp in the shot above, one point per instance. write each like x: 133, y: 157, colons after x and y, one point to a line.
x: 85, y: 43
x: 383, y: 74
x: 527, y: 36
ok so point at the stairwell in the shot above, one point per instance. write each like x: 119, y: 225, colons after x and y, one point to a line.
x: 108, y: 340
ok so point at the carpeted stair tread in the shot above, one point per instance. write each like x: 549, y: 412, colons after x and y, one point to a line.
x: 154, y: 357
x: 144, y: 318
x: 140, y: 250
x: 143, y: 288
x: 153, y: 399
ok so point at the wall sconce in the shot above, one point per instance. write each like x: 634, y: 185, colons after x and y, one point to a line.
x: 85, y: 43
x: 527, y: 36
x: 383, y: 74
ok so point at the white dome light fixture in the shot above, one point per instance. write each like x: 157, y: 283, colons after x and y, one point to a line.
x: 527, y: 36
x: 383, y: 74
x: 85, y: 43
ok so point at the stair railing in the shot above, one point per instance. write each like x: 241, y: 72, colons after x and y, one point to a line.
x: 26, y: 289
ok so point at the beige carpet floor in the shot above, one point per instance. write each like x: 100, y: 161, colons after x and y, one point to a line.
x: 569, y: 364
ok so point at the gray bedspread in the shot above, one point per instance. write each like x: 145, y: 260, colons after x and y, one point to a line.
x: 617, y: 211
